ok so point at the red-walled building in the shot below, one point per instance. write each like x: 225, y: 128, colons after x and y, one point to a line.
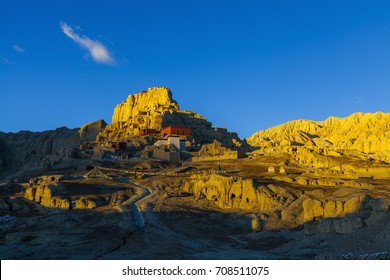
x: 176, y: 130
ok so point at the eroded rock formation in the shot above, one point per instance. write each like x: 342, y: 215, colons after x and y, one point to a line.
x: 58, y: 191
x: 90, y: 131
x: 47, y: 191
x: 213, y: 149
x: 367, y: 133
x: 321, y: 144
x: 27, y: 149
x: 235, y: 192
x: 292, y: 206
x: 156, y: 109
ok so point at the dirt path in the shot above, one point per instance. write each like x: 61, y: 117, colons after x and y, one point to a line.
x: 124, y: 209
x: 139, y: 219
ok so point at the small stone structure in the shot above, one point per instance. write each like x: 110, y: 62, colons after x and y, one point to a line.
x: 167, y: 155
x: 96, y: 173
x: 230, y: 155
x: 217, y: 169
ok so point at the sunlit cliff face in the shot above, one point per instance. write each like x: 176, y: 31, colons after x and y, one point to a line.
x: 366, y: 133
x: 155, y: 109
x: 296, y: 206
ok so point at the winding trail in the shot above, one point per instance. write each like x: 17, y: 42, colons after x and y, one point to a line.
x: 139, y: 219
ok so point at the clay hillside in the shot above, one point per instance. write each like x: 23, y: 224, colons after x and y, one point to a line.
x: 367, y: 133
x: 322, y: 144
x: 160, y: 182
x: 150, y: 111
x: 137, y: 123
x: 143, y: 123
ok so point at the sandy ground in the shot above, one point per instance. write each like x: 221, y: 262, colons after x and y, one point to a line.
x: 177, y: 227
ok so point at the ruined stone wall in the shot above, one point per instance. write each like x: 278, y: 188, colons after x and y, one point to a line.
x: 224, y: 156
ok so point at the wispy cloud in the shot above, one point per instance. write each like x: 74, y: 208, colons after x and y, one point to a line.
x: 352, y: 101
x: 4, y: 61
x: 18, y: 49
x: 96, y: 49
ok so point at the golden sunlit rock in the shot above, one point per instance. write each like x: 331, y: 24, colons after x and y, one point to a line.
x: 155, y: 109
x: 161, y: 182
x: 309, y: 141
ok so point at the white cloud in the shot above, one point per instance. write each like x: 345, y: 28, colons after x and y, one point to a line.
x: 18, y: 49
x: 96, y: 49
x: 4, y: 61
x: 352, y: 101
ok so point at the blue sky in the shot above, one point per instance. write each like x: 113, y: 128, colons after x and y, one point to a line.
x: 245, y: 65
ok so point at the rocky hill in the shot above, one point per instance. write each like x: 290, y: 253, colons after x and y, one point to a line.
x: 367, y: 134
x: 26, y: 150
x: 153, y: 109
x: 89, y: 131
x: 314, y: 144
x: 35, y: 149
x: 156, y: 109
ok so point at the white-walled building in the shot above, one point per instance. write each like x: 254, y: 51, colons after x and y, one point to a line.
x: 179, y: 144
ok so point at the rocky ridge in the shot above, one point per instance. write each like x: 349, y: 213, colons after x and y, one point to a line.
x: 320, y: 144
x: 26, y: 151
x: 367, y: 133
x: 90, y: 131
x: 156, y: 109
